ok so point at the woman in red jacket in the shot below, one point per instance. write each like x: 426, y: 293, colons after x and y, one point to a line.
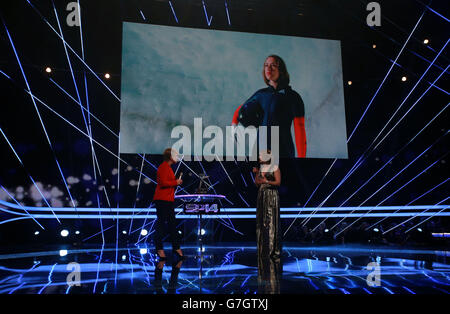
x: 164, y: 199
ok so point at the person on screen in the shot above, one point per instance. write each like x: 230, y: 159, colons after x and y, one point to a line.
x: 276, y: 105
x: 268, y: 233
x: 164, y: 203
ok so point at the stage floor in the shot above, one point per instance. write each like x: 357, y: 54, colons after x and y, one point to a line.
x: 226, y: 269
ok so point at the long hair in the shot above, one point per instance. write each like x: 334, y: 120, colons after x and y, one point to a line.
x: 283, y: 80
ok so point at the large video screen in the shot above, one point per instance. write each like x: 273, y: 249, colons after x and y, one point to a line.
x: 199, y: 80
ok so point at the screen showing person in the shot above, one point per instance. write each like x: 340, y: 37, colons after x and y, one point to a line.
x: 276, y: 105
x: 202, y: 81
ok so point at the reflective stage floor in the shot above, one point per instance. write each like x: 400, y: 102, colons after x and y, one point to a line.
x: 226, y: 269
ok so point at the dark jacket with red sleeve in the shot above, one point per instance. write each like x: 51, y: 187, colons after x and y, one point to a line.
x: 166, y: 183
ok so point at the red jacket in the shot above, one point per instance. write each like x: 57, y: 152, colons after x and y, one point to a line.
x: 166, y: 183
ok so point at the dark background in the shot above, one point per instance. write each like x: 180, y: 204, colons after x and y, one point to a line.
x: 38, y: 47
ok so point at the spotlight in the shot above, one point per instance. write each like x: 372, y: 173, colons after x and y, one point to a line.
x: 64, y: 233
x: 419, y: 229
x: 202, y: 231
x: 180, y: 232
x: 124, y: 232
x: 77, y: 232
x: 143, y: 251
x: 374, y: 46
x: 326, y: 230
x: 36, y: 233
x: 144, y: 232
x: 376, y: 229
x: 124, y: 257
x: 62, y: 252
x: 107, y: 76
x: 349, y: 83
x: 426, y: 41
x: 203, y: 249
x: 403, y: 78
x: 48, y: 70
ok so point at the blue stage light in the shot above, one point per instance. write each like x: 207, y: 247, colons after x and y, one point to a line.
x: 142, y: 14
x: 228, y: 14
x: 441, y: 235
x: 173, y: 11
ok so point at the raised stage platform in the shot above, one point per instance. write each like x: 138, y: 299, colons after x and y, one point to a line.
x: 225, y: 269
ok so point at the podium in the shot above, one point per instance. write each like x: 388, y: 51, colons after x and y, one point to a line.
x: 200, y: 204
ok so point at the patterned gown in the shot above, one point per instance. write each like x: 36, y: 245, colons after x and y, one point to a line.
x: 268, y: 235
x: 268, y: 219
